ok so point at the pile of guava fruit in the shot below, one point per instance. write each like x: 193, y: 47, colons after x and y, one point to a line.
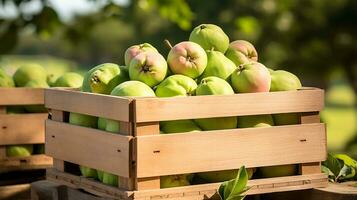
x: 33, y: 76
x: 207, y: 64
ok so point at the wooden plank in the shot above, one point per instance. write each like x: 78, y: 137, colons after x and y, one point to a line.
x: 20, y: 191
x: 86, y: 184
x: 2, y: 152
x: 258, y: 186
x: 2, y: 109
x: 40, y: 161
x: 125, y: 128
x: 59, y: 116
x: 314, y: 167
x: 88, y: 147
x: 229, y: 149
x: 140, y: 130
x: 21, y: 96
x: 22, y: 128
x: 161, y: 109
x: 111, y: 107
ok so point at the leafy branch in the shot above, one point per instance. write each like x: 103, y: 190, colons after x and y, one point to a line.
x: 340, y: 167
x: 235, y: 188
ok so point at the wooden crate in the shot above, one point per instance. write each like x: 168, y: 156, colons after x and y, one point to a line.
x: 139, y: 155
x: 26, y: 128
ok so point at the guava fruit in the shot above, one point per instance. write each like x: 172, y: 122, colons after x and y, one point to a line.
x: 134, y: 50
x: 283, y: 81
x: 251, y: 77
x: 27, y: 73
x: 100, y: 175
x: 220, y: 176
x: 88, y: 172
x: 178, y: 126
x: 133, y: 89
x: 83, y: 120
x: 70, y: 79
x: 106, y: 77
x: 148, y: 67
x: 110, y: 179
x: 255, y: 121
x: 128, y: 88
x: 6, y: 80
x: 176, y: 85
x: 215, y: 86
x: 19, y: 150
x: 218, y: 65
x: 286, y: 119
x: 187, y: 58
x: 175, y: 180
x: 103, y: 78
x: 36, y: 84
x: 210, y: 36
x: 102, y: 123
x: 278, y: 171
x: 241, y: 52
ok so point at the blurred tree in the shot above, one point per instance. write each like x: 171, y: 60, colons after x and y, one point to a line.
x: 312, y: 38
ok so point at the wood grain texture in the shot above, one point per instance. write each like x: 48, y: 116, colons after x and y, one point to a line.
x: 40, y: 161
x: 161, y: 109
x: 21, y: 96
x: 22, y: 128
x: 192, y: 192
x: 140, y: 130
x: 19, y: 192
x: 89, y: 147
x: 99, y: 105
x: 314, y: 167
x: 86, y: 184
x: 229, y: 149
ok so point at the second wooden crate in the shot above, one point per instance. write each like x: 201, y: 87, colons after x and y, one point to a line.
x: 22, y: 128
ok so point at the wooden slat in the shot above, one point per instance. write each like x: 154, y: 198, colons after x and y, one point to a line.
x: 86, y: 184
x: 258, y: 186
x: 59, y: 116
x: 25, y: 163
x: 20, y: 191
x: 229, y: 149
x: 314, y: 167
x: 140, y: 130
x: 2, y: 109
x: 161, y: 109
x: 22, y: 128
x: 88, y: 147
x: 99, y: 105
x: 21, y: 96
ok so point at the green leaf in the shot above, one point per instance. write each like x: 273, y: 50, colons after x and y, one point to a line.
x: 233, y: 189
x: 221, y: 189
x: 335, y: 165
x: 326, y: 170
x: 347, y: 160
x: 347, y: 172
